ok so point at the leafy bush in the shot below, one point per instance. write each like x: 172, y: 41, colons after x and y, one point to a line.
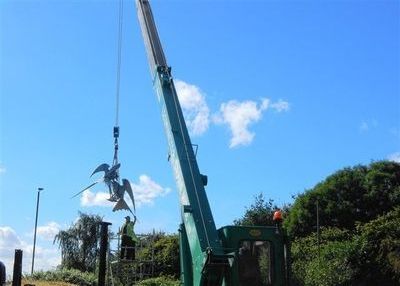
x: 368, y: 256
x: 379, y: 242
x: 166, y: 255
x: 72, y: 276
x: 330, y: 264
x: 160, y: 281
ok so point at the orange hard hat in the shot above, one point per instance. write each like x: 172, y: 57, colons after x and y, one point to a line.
x: 277, y: 216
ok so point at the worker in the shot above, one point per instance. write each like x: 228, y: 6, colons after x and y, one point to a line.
x: 129, y: 239
x: 2, y: 274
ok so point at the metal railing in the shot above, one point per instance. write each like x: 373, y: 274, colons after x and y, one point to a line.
x: 130, y: 271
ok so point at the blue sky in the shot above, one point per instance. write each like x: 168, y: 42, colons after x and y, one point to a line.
x: 277, y: 94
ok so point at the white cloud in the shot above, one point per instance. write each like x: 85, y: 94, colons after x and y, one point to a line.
x: 90, y: 199
x: 280, y: 105
x: 8, y: 238
x: 194, y: 107
x: 2, y: 169
x: 237, y: 115
x: 144, y: 192
x: 367, y: 125
x: 265, y: 102
x: 48, y: 231
x: 395, y: 131
x: 395, y: 157
x: 45, y: 258
x: 364, y: 126
x: 240, y: 115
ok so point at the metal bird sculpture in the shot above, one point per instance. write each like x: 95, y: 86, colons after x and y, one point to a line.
x: 116, y: 190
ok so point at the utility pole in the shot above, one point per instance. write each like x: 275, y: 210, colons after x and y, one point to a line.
x: 34, y: 236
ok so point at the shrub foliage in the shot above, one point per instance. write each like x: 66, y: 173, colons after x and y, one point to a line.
x: 72, y: 276
x: 166, y: 255
x: 160, y: 281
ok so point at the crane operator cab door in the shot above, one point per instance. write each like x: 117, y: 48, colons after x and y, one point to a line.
x: 254, y: 263
x: 259, y: 256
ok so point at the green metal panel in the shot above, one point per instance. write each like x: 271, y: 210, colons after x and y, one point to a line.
x: 185, y: 257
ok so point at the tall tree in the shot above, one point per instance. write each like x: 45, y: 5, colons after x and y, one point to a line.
x: 350, y: 195
x: 260, y: 212
x: 79, y: 243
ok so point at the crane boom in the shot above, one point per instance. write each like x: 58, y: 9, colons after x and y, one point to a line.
x: 202, y: 237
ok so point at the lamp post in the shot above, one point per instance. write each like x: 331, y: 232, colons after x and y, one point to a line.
x: 34, y: 236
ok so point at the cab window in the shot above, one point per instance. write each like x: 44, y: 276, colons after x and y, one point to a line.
x: 254, y: 263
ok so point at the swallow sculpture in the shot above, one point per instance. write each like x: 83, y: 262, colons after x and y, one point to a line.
x: 116, y: 190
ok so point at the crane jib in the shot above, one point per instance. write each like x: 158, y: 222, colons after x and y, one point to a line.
x: 154, y: 49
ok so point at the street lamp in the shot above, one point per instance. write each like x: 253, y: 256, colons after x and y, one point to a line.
x: 34, y: 236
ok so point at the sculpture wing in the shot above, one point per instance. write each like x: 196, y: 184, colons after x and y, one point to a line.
x: 102, y: 168
x: 128, y: 189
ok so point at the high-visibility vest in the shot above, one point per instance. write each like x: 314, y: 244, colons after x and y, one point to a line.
x: 129, y: 231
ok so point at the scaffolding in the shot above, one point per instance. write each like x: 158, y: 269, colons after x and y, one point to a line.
x: 129, y: 272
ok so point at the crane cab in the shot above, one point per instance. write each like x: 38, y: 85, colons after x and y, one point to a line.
x: 257, y: 255
x: 260, y: 257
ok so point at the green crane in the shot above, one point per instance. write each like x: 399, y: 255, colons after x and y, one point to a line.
x: 231, y: 255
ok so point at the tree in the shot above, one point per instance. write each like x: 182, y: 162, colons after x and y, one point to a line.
x: 166, y: 254
x: 350, y: 195
x: 79, y: 243
x: 260, y: 212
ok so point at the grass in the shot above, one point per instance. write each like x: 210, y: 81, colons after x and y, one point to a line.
x: 44, y: 283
